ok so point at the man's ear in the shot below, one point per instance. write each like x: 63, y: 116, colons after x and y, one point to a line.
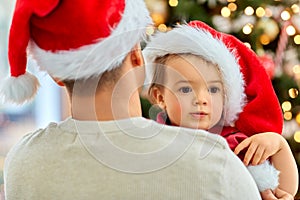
x: 136, y: 57
x: 158, y: 96
x: 58, y: 82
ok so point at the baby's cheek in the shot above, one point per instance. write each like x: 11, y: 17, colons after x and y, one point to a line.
x: 174, y: 112
x: 176, y: 108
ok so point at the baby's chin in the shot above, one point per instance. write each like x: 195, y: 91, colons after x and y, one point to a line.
x: 196, y: 126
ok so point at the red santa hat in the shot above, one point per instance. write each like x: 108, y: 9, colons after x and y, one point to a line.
x: 186, y: 39
x: 70, y: 39
x: 251, y: 103
x: 262, y: 113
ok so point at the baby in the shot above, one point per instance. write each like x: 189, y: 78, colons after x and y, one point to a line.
x: 198, y: 84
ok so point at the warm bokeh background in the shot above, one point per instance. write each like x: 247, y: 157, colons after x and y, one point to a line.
x: 271, y: 28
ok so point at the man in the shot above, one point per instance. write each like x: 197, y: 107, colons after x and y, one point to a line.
x: 106, y: 150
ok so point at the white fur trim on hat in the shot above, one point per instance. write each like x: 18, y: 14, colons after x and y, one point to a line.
x: 104, y: 55
x: 185, y: 39
x: 19, y: 89
x: 265, y: 176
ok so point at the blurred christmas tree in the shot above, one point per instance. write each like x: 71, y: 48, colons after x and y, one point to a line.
x: 271, y: 28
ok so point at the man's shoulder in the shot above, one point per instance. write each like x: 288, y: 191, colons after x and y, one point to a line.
x: 30, y: 141
x: 39, y: 144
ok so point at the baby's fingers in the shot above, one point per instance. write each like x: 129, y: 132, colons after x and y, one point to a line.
x: 244, y: 144
x: 250, y: 153
x: 258, y: 156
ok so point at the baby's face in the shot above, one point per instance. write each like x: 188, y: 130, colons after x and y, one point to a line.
x: 193, y: 92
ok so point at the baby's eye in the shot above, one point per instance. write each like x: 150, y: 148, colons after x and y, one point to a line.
x: 214, y: 89
x: 185, y: 89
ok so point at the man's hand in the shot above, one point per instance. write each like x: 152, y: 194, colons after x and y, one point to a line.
x: 278, y: 194
x: 267, y: 195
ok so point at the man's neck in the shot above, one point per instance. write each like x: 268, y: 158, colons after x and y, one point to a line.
x: 119, y: 100
x: 106, y: 106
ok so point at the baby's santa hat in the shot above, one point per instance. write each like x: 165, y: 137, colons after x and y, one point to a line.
x: 185, y: 39
x: 251, y: 103
x: 70, y: 39
x: 262, y: 113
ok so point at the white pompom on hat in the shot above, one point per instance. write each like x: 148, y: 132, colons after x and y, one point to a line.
x: 70, y: 39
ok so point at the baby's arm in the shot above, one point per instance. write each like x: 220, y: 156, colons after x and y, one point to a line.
x: 274, y: 146
x: 284, y: 161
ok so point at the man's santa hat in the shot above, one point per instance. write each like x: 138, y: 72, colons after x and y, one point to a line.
x: 252, y: 105
x: 70, y: 39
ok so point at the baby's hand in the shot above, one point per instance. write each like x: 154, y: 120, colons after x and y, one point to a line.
x: 260, y: 147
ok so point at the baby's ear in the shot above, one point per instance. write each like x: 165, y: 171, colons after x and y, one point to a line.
x: 158, y: 96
